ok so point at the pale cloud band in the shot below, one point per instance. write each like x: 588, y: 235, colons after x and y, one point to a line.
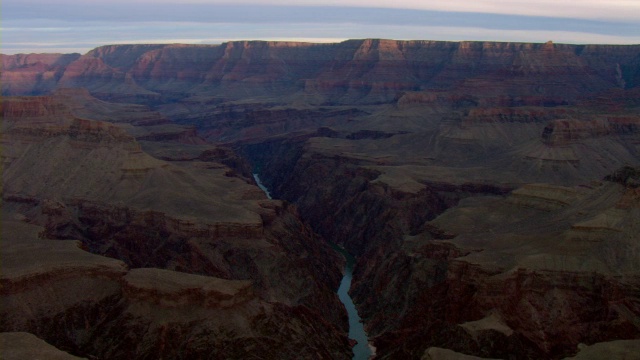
x: 583, y: 9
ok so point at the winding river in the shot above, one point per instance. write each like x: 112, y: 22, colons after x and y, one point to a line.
x: 362, y: 350
x: 261, y: 186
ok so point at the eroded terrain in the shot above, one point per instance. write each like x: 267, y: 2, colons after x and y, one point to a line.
x: 489, y: 191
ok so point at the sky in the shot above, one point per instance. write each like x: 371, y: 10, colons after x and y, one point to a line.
x: 65, y: 26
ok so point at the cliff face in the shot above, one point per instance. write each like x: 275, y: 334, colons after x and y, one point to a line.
x: 486, y: 275
x: 34, y: 73
x: 564, y: 132
x: 366, y: 71
x: 97, y: 307
x: 257, y: 264
x: 475, y: 228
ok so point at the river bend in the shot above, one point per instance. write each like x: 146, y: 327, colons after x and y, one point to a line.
x: 362, y: 350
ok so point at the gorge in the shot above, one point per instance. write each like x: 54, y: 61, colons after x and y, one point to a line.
x: 489, y: 193
x: 362, y: 349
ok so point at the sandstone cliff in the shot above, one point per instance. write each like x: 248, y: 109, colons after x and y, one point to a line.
x: 33, y: 73
x: 352, y: 71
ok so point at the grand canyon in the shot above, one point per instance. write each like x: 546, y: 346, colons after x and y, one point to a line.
x: 488, y: 192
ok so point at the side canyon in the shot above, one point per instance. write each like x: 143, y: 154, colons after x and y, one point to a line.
x: 489, y: 192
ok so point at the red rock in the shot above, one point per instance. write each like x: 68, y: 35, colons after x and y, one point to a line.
x: 355, y: 70
x: 564, y: 132
x: 34, y: 73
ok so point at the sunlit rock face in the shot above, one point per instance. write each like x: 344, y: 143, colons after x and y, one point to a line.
x: 489, y: 192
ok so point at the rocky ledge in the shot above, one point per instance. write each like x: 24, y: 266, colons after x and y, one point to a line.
x: 22, y: 345
x: 94, y: 306
x: 109, y: 252
x: 172, y: 289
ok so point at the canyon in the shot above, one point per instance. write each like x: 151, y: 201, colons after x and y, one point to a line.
x: 489, y: 193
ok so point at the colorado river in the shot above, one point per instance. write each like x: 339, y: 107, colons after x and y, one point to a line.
x: 362, y: 350
x: 261, y: 185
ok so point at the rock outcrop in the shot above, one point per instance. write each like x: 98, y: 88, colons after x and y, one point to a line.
x: 565, y: 132
x: 95, y: 306
x: 33, y: 73
x: 524, y: 260
x: 22, y: 345
x: 367, y: 71
x: 435, y: 353
x: 166, y: 257
x: 620, y: 349
x: 172, y: 289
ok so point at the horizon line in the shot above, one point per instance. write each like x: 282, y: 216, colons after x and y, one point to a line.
x: 310, y: 41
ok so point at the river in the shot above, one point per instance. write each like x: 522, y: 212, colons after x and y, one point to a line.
x: 261, y: 185
x: 362, y: 350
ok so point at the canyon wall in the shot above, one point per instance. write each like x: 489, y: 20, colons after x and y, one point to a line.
x: 168, y: 258
x: 482, y: 269
x: 354, y: 71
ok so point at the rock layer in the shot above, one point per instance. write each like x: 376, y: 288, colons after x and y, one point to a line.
x: 368, y: 70
x: 524, y: 259
x: 230, y: 267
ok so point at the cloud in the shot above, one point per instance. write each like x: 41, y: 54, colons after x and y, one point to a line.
x: 627, y: 10
x: 83, y: 38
